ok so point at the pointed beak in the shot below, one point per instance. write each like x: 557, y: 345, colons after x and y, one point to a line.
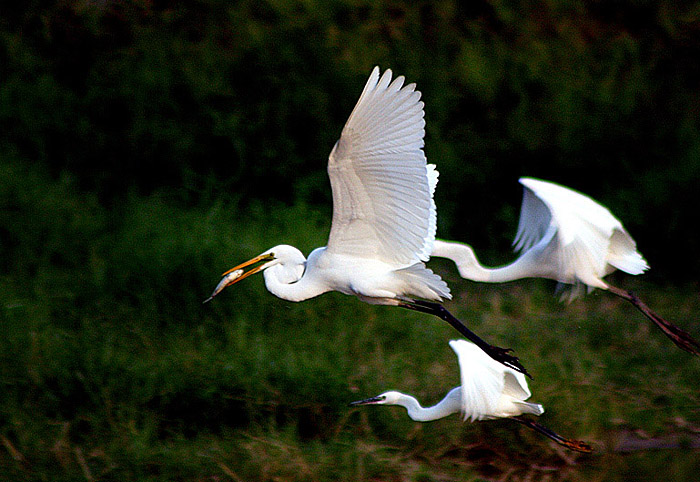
x: 367, y: 401
x: 237, y: 273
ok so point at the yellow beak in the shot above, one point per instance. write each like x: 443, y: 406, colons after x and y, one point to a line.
x: 237, y: 273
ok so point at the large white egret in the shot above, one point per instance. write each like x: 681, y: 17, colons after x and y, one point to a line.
x: 488, y: 391
x: 384, y: 217
x: 568, y: 237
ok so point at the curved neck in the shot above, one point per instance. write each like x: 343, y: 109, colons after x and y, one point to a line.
x: 305, y: 288
x: 469, y: 267
x: 447, y: 406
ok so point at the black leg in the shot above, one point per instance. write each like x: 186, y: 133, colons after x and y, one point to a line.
x: 680, y: 337
x: 571, y: 444
x: 501, y: 355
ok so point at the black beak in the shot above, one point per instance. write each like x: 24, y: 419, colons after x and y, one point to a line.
x: 367, y: 401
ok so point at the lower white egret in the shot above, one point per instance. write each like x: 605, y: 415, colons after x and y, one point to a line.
x: 384, y: 217
x: 488, y: 391
x: 568, y: 237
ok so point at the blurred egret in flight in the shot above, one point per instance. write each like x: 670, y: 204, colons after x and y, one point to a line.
x: 384, y: 217
x: 488, y: 391
x: 568, y: 237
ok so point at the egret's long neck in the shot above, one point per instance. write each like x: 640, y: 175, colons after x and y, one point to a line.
x: 470, y: 268
x: 447, y: 406
x: 302, y: 289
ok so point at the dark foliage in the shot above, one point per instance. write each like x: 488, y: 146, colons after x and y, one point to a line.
x: 245, y: 100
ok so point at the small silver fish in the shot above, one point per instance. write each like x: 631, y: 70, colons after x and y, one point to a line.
x: 225, y: 281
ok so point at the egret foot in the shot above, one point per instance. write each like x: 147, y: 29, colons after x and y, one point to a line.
x: 680, y: 337
x: 571, y: 444
x: 501, y: 355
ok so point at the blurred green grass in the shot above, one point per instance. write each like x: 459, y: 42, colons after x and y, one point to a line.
x: 112, y: 369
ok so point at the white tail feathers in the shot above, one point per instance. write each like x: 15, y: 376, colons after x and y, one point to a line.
x: 532, y: 408
x: 422, y: 280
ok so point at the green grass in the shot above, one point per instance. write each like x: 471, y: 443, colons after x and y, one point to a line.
x: 112, y: 369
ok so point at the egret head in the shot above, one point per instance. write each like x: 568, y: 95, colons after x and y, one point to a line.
x: 289, y: 259
x: 387, y: 398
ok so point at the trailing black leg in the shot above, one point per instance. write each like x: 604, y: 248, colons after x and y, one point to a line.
x: 501, y: 355
x: 680, y: 337
x: 577, y: 445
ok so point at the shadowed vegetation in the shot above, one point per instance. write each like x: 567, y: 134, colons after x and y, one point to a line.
x: 112, y: 368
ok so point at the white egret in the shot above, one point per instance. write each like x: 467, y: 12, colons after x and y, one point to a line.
x: 568, y: 237
x: 488, y: 391
x: 384, y: 217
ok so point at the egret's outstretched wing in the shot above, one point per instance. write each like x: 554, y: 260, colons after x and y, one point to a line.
x: 482, y: 380
x: 515, y: 385
x: 588, y: 234
x: 535, y: 219
x: 382, y: 197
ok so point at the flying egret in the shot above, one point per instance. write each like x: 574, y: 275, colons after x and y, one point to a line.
x: 384, y: 217
x: 568, y: 237
x: 488, y: 391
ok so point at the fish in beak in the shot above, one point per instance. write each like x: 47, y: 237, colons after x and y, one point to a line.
x: 237, y: 273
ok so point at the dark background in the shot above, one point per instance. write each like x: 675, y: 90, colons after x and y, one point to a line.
x: 244, y: 100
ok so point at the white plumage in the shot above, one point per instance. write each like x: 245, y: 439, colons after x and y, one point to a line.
x: 591, y: 241
x: 568, y: 237
x: 382, y: 200
x: 562, y: 235
x: 488, y: 391
x: 384, y: 216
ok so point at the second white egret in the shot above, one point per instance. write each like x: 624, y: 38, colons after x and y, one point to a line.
x: 568, y: 237
x: 488, y: 390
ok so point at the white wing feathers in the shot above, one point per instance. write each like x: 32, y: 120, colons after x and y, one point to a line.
x: 382, y: 189
x: 482, y: 382
x: 624, y: 255
x: 489, y: 389
x: 589, y: 236
x: 535, y: 219
x: 432, y: 226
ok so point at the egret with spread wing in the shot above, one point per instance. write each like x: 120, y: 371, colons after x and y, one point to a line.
x: 384, y: 217
x: 488, y: 390
x: 568, y: 237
